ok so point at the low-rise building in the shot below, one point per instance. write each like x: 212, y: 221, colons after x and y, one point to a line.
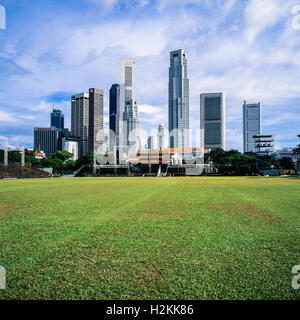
x: 39, y: 155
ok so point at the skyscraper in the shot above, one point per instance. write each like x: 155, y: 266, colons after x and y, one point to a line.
x: 57, y: 119
x: 96, y: 115
x: 114, y: 115
x: 47, y: 140
x: 251, y: 125
x: 212, y: 120
x: 129, y: 139
x: 80, y: 121
x: 151, y: 143
x: 161, y: 137
x: 178, y: 100
x: 131, y: 122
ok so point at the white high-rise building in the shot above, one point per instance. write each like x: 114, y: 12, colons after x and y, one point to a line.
x: 70, y: 145
x: 161, y: 137
x: 130, y: 137
x: 212, y: 120
x: 251, y: 125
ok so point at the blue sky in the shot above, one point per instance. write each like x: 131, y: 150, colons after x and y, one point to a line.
x: 247, y: 48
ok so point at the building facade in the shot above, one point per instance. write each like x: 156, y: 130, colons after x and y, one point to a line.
x: 151, y: 143
x: 286, y: 153
x: 96, y: 119
x: 251, y: 125
x: 161, y: 137
x: 131, y: 123
x: 70, y: 145
x: 264, y: 144
x: 178, y: 100
x: 212, y: 120
x: 129, y: 139
x: 57, y: 120
x: 80, y: 121
x: 47, y: 139
x: 114, y: 116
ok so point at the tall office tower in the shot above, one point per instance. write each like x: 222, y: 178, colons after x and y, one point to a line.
x: 96, y: 115
x: 150, y: 143
x: 251, y: 125
x: 131, y: 123
x: 161, y: 137
x: 212, y: 120
x: 80, y: 121
x: 57, y: 119
x: 129, y: 139
x: 47, y: 140
x: 178, y: 100
x: 114, y: 116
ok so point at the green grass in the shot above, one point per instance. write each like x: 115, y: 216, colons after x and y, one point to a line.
x: 150, y: 238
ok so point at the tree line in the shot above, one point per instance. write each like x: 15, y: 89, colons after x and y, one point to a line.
x: 230, y: 162
x: 233, y: 162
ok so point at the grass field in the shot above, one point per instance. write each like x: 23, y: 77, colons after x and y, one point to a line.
x: 150, y: 238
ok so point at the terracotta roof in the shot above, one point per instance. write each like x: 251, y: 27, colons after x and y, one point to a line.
x: 39, y: 154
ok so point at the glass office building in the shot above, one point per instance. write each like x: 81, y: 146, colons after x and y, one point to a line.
x: 212, y: 120
x: 178, y: 100
x: 114, y: 115
x: 251, y: 125
x: 57, y: 119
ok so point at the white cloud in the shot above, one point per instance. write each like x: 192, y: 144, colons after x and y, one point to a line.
x: 6, y: 117
x: 148, y: 109
x: 262, y: 14
x: 152, y: 115
x: 282, y: 118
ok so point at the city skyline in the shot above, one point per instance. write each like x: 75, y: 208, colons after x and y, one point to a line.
x: 249, y: 58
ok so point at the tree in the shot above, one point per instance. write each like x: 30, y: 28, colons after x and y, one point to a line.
x: 55, y: 163
x: 62, y: 155
x: 232, y: 162
x: 70, y: 165
x: 86, y: 160
x: 30, y: 158
x: 59, y: 161
x: 238, y: 163
x: 217, y: 155
x: 297, y: 149
x: 286, y: 164
x: 267, y: 162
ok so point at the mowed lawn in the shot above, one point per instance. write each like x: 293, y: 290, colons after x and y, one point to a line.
x: 150, y: 238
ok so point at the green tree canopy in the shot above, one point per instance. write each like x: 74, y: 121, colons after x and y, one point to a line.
x: 62, y: 155
x: 286, y: 164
